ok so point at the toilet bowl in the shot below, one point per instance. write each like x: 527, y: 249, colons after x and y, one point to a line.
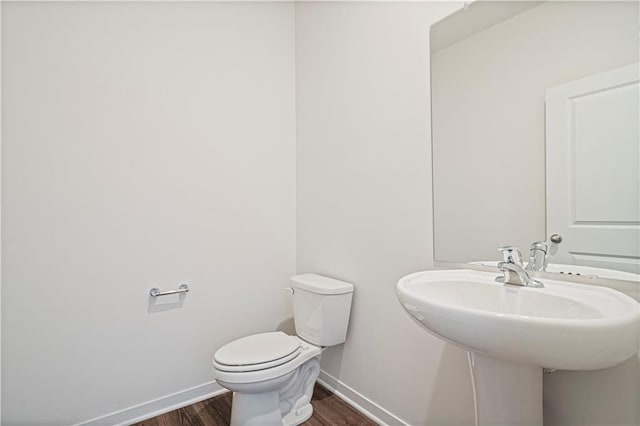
x: 272, y: 374
x: 272, y: 389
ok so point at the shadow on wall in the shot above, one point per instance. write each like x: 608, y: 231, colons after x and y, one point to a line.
x: 332, y: 360
x: 165, y: 303
x: 608, y: 396
x: 452, y: 397
x: 287, y: 326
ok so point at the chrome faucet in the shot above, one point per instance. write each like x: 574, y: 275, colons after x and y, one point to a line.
x: 513, y: 269
x: 511, y: 254
x: 538, y: 256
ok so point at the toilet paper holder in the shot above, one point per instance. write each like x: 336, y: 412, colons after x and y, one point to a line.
x: 155, y: 292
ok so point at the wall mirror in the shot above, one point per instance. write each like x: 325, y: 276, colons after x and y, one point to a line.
x: 535, y: 132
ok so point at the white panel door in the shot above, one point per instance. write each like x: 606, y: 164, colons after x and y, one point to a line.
x: 593, y: 163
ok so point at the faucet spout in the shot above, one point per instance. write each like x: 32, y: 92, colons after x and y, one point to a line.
x: 515, y: 274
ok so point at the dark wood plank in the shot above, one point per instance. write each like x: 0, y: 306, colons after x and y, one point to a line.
x: 215, y: 411
x: 328, y: 410
x: 171, y: 418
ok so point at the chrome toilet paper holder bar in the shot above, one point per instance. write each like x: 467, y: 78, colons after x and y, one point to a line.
x: 155, y: 292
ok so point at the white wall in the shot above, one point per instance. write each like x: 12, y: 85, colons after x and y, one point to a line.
x: 488, y: 98
x: 364, y: 196
x: 150, y: 143
x: 144, y: 144
x: 0, y: 213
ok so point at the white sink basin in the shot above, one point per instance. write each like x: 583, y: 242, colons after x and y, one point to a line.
x: 564, y: 325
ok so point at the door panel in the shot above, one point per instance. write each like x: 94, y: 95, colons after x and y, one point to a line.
x: 593, y: 163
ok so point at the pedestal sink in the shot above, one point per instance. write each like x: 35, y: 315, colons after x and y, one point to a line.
x: 513, y: 332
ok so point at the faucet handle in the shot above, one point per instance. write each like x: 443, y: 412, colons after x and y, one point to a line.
x: 539, y: 245
x: 538, y: 256
x: 511, y: 254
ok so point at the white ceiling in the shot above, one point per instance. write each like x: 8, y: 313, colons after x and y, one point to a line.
x: 477, y: 17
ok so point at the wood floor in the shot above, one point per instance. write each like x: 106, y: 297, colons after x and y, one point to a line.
x: 328, y: 410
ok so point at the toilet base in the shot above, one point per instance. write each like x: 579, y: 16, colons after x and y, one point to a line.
x: 298, y: 416
x: 263, y: 410
x: 283, y: 401
x: 256, y: 409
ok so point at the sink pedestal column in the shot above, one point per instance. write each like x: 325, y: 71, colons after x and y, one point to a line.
x: 506, y: 393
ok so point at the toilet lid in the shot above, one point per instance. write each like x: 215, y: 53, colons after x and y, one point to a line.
x: 253, y: 352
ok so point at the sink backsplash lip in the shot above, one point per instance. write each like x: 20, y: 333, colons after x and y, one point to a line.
x: 630, y: 288
x: 555, y: 270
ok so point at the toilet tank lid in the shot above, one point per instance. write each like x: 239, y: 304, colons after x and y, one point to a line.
x: 321, y: 285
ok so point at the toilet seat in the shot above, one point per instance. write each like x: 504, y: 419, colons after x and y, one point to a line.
x: 257, y: 352
x: 256, y: 375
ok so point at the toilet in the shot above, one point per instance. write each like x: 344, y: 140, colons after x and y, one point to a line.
x: 272, y: 375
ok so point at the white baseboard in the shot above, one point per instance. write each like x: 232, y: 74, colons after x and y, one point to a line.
x: 359, y: 402
x: 164, y: 404
x: 158, y: 406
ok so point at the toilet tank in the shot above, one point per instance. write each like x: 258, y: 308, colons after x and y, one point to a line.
x: 321, y: 308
